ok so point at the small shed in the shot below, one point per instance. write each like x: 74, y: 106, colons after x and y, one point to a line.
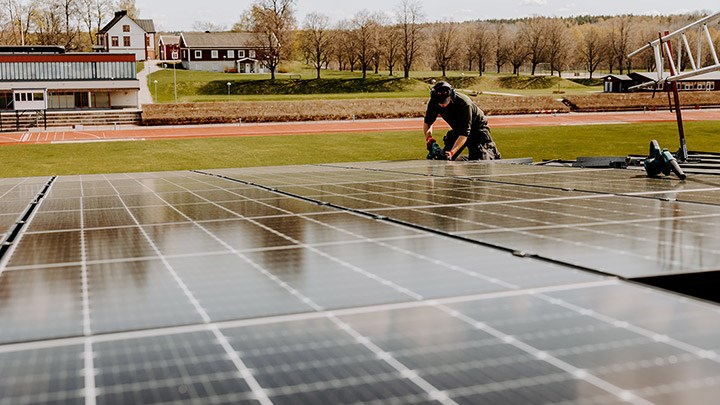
x: 617, y: 83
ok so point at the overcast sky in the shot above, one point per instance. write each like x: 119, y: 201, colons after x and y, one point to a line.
x: 180, y: 15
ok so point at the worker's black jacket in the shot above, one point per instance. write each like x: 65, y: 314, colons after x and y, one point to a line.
x: 463, y: 116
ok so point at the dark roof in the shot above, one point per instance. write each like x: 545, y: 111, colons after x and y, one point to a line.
x: 32, y: 49
x: 618, y: 77
x: 218, y: 39
x: 118, y: 16
x: 147, y: 25
x: 169, y: 39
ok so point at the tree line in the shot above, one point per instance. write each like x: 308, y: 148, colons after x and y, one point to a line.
x: 381, y: 41
x: 397, y: 42
x: 69, y: 23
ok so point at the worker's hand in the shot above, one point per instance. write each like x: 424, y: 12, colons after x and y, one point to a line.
x: 449, y: 155
x: 428, y: 143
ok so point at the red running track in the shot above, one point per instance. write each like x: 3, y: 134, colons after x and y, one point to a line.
x: 318, y: 127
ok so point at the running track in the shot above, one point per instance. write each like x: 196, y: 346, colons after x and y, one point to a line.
x: 317, y: 127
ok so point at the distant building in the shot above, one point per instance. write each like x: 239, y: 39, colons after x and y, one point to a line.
x: 624, y: 83
x: 616, y: 83
x: 221, y: 52
x: 126, y: 35
x: 39, y: 78
x: 169, y: 47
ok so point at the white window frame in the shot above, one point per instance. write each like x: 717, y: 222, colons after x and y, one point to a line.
x: 251, y: 53
x: 198, y: 54
x: 231, y: 54
x: 214, y: 54
x: 241, y: 53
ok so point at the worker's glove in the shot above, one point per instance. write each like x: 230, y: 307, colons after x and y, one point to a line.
x: 435, y: 152
x: 428, y: 143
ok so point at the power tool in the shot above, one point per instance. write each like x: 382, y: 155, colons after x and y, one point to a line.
x: 661, y: 161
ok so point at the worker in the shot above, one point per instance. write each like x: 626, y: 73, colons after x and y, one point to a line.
x: 467, y: 122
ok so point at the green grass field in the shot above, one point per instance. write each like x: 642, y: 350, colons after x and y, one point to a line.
x: 539, y: 143
x: 195, y: 86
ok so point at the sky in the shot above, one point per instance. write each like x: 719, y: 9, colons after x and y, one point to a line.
x: 181, y: 15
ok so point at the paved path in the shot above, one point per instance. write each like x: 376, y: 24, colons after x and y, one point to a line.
x: 90, y: 134
x: 145, y: 96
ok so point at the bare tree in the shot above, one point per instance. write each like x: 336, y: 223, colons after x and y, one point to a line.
x: 336, y: 49
x: 93, y: 13
x: 558, y: 41
x: 502, y: 46
x: 344, y: 47
x: 315, y: 39
x: 590, y: 48
x: 392, y: 46
x: 445, y: 44
x: 466, y: 32
x: 208, y: 26
x: 518, y: 51
x: 21, y: 17
x: 70, y: 15
x: 409, y: 16
x: 48, y: 24
x: 274, y: 24
x: 4, y: 26
x: 620, y: 41
x: 245, y: 23
x: 389, y: 43
x: 480, y: 44
x: 364, y: 32
x: 350, y: 49
x: 534, y: 32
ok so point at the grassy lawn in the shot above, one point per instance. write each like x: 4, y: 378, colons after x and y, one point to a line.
x: 195, y: 86
x: 567, y: 142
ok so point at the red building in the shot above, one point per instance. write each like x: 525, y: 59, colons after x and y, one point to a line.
x: 169, y: 47
x: 222, y: 52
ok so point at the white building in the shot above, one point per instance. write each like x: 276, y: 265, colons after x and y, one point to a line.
x: 126, y: 35
x: 39, y: 78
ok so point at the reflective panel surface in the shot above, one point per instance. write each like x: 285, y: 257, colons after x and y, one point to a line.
x: 380, y: 282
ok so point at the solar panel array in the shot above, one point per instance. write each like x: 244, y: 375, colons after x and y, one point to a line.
x: 380, y: 282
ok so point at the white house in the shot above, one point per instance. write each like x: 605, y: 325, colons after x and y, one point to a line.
x: 126, y: 35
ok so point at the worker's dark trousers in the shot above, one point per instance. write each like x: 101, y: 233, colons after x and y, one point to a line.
x: 479, y: 144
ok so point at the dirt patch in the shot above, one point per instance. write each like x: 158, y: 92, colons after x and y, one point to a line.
x: 321, y: 110
x: 640, y: 101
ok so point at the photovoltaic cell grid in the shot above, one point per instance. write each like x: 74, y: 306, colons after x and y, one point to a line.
x: 644, y: 227
x: 15, y: 196
x: 378, y: 283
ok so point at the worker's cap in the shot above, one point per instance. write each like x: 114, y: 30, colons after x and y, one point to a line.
x: 441, y: 92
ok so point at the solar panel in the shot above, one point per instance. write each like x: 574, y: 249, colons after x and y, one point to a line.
x: 566, y: 215
x: 379, y: 282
